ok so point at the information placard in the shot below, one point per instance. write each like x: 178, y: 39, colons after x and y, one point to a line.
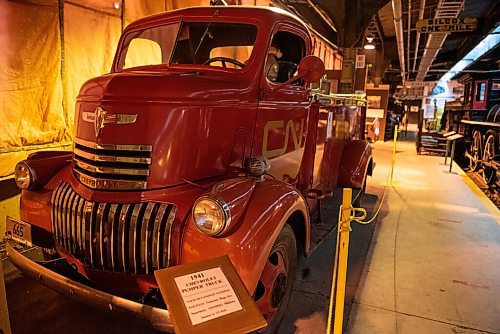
x: 208, y: 297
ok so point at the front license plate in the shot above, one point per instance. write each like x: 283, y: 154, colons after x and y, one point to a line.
x: 18, y: 230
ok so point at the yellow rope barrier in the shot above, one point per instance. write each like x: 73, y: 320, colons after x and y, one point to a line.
x: 347, y: 214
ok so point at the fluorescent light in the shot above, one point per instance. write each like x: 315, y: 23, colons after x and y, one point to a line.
x: 487, y: 44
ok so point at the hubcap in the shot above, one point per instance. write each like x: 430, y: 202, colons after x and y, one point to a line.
x: 278, y: 291
x: 272, y: 283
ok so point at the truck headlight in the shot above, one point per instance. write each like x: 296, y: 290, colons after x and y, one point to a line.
x: 211, y: 215
x: 24, y: 175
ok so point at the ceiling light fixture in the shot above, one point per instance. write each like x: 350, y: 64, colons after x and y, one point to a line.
x: 369, y: 46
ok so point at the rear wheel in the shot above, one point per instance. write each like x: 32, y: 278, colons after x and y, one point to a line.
x: 275, y: 284
x: 476, y: 151
x: 489, y: 173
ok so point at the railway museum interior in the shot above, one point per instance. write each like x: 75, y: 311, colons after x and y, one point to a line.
x: 250, y: 166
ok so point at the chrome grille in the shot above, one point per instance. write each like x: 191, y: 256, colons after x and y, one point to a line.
x: 113, y: 167
x: 132, y: 237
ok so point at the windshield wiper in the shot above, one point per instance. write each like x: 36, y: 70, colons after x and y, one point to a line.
x: 216, y: 13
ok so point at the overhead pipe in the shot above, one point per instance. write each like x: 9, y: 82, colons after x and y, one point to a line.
x: 397, y: 12
x: 417, y: 40
x: 408, y: 39
x: 445, y: 9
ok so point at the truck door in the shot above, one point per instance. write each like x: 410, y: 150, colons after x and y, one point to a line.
x: 281, y: 123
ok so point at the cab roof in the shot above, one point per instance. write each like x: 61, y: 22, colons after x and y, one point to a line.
x: 269, y: 15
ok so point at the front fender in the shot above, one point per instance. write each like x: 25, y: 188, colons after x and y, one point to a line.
x: 354, y: 165
x: 249, y: 242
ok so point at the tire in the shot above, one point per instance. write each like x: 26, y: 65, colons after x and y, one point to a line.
x: 275, y: 285
x: 360, y: 200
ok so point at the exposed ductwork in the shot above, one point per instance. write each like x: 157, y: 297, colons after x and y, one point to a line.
x: 408, y: 40
x: 417, y: 39
x: 445, y: 8
x: 397, y: 11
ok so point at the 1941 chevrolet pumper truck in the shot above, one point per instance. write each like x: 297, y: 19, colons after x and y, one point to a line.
x: 203, y: 141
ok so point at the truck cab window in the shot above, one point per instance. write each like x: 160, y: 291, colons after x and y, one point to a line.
x: 218, y: 44
x: 283, y: 57
x: 150, y: 46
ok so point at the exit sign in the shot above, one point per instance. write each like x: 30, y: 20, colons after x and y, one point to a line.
x: 447, y: 25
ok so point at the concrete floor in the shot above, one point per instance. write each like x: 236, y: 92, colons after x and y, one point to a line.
x: 434, y: 263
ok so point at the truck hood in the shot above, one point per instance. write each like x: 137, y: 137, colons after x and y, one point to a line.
x: 168, y: 85
x: 176, y: 126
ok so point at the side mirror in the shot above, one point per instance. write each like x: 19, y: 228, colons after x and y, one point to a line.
x: 311, y: 69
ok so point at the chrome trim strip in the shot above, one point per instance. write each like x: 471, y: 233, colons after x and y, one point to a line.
x: 156, y: 235
x: 101, y: 210
x: 170, y: 224
x: 133, y: 237
x: 145, y: 236
x: 86, y: 229
x: 112, y: 184
x: 111, y: 170
x: 111, y: 158
x: 53, y: 210
x: 125, y: 226
x: 56, y: 211
x: 65, y: 203
x: 156, y: 317
x: 161, y: 237
x: 112, y: 220
x: 118, y: 147
x: 79, y: 226
x: 70, y: 220
x: 93, y: 218
x: 60, y: 212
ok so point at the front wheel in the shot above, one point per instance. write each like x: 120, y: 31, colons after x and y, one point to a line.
x: 276, y: 281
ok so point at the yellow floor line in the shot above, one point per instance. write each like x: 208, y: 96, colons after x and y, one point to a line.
x: 488, y: 204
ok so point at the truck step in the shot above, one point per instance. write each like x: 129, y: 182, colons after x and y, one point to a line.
x: 320, y: 229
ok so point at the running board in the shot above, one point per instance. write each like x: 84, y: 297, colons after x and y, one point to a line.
x: 328, y: 218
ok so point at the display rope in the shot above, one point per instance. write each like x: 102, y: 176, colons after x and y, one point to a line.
x: 344, y: 225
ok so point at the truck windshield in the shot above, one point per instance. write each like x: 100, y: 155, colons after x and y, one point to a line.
x: 218, y: 44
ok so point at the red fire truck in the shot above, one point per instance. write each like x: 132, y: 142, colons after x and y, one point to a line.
x: 204, y: 140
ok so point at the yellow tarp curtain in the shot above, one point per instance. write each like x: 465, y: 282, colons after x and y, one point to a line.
x: 38, y: 88
x: 49, y: 49
x: 31, y: 91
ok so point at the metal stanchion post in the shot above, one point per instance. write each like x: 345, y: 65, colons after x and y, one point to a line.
x: 344, y: 230
x: 452, y: 154
x: 4, y: 312
x: 447, y: 151
x: 394, y: 152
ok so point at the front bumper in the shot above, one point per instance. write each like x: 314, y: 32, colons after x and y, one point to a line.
x: 158, y: 318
